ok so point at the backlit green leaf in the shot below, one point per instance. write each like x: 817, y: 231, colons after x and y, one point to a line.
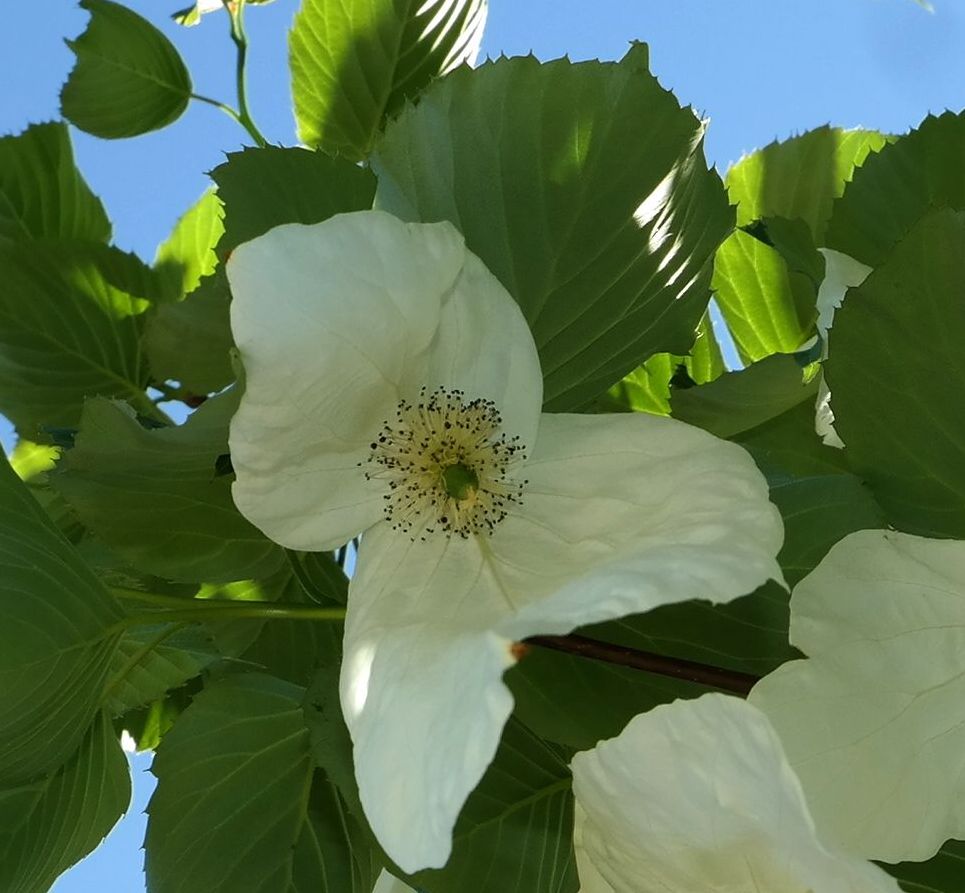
x: 129, y: 78
x: 42, y: 194
x: 67, y: 331
x: 354, y: 62
x: 188, y: 253
x: 800, y: 177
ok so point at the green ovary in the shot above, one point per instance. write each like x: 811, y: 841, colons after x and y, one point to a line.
x: 459, y: 481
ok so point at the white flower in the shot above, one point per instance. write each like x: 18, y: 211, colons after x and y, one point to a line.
x: 874, y: 722
x: 841, y: 273
x: 389, y: 884
x: 393, y: 387
x: 698, y: 797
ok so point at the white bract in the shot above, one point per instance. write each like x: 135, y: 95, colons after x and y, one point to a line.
x: 393, y: 387
x: 874, y: 722
x: 698, y: 797
x: 841, y: 272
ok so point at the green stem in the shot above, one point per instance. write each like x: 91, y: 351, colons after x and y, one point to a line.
x: 188, y: 610
x: 148, y: 408
x: 238, y: 35
x: 227, y: 109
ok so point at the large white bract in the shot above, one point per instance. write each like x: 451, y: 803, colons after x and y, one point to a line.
x: 393, y: 388
x: 874, y: 722
x: 698, y: 796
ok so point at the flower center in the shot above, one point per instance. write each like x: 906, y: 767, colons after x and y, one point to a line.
x: 460, y: 482
x: 447, y: 465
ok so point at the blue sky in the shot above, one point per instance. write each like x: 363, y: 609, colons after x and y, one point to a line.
x: 760, y: 69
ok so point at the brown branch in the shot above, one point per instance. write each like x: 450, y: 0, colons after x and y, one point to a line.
x: 675, y: 667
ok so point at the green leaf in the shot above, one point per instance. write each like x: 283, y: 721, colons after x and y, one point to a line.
x: 514, y: 834
x: 354, y: 63
x: 49, y: 824
x: 241, y: 752
x: 819, y: 511
x: 190, y: 341
x: 154, y: 498
x: 739, y: 401
x: 897, y: 375
x: 152, y: 660
x: 647, y: 388
x: 942, y: 874
x: 800, y: 177
x: 56, y: 640
x: 42, y: 194
x: 66, y: 332
x: 787, y: 446
x: 899, y: 184
x: 129, y: 78
x: 584, y: 189
x: 321, y: 579
x: 768, y: 308
x: 262, y: 188
x: 293, y: 649
x: 188, y: 253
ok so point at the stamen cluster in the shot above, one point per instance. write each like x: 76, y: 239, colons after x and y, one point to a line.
x: 441, y: 430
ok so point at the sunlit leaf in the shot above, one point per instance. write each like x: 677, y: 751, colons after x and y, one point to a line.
x: 67, y: 331
x: 354, y: 62
x: 42, y: 194
x: 129, y: 78
x: 584, y: 189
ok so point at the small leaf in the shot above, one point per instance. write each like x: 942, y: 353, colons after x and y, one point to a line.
x: 42, y: 194
x: 129, y: 78
x: 354, y: 64
x: 897, y: 376
x: 56, y: 641
x: 49, y: 824
x: 241, y: 752
x: 154, y: 498
x: 583, y: 187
